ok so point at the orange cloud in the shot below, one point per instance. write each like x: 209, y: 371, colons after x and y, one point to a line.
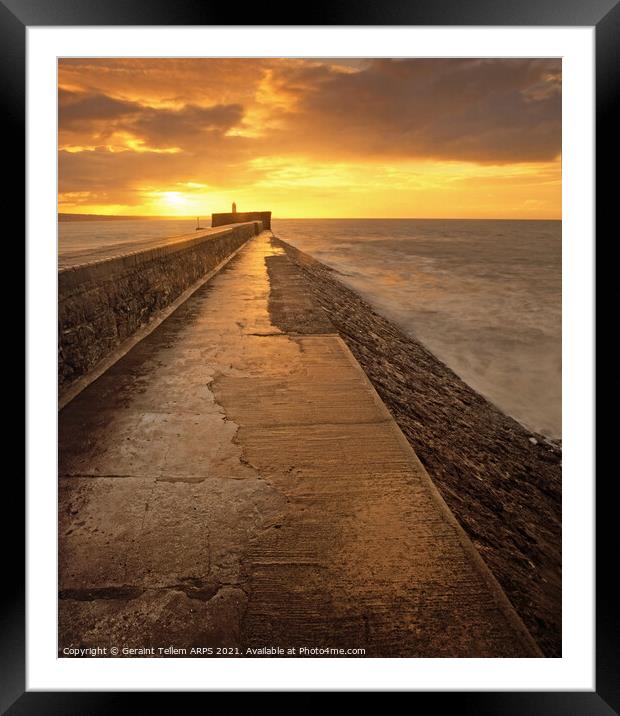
x: 311, y: 137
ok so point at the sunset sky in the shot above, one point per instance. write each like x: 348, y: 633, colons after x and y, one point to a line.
x: 453, y: 138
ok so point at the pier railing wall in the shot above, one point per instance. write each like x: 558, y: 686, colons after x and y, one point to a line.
x: 104, y: 303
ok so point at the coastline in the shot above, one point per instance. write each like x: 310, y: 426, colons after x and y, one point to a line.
x: 502, y: 481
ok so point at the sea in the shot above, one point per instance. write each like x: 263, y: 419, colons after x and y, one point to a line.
x: 484, y: 296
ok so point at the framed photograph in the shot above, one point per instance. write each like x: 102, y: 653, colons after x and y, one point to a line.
x: 310, y: 353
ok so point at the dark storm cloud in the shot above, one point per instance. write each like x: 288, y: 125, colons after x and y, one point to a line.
x: 165, y: 127
x: 101, y: 115
x: 80, y: 108
x: 477, y: 110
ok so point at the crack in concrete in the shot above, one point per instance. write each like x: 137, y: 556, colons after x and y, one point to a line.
x: 136, y: 541
x: 267, y: 335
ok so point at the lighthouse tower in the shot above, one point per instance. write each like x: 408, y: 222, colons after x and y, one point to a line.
x: 234, y: 211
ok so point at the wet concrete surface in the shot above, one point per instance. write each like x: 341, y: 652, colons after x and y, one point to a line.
x: 234, y: 482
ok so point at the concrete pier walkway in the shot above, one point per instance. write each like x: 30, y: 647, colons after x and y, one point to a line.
x: 235, y: 481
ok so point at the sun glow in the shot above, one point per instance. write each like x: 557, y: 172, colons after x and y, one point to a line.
x: 174, y: 198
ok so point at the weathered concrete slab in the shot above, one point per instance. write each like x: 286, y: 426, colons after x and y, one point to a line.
x: 232, y: 482
x: 105, y: 304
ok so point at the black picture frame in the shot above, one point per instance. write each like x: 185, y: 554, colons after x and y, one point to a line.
x: 604, y: 15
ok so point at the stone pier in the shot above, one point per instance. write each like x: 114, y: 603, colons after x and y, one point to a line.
x: 235, y: 481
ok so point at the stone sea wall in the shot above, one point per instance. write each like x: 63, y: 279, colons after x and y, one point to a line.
x: 103, y: 303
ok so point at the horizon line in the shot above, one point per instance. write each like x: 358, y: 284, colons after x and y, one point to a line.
x: 310, y: 218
